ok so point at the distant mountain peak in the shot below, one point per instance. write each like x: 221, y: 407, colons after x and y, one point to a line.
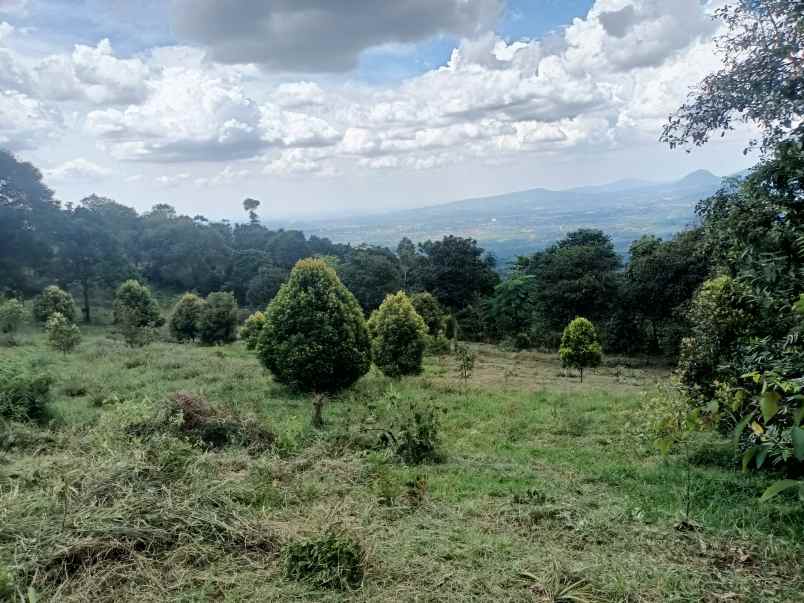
x: 700, y: 178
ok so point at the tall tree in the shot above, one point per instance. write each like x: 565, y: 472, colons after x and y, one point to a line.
x: 658, y: 284
x: 90, y: 254
x: 181, y: 253
x: 251, y: 206
x: 456, y: 271
x: 761, y: 81
x: 29, y: 217
x: 370, y: 273
x: 574, y: 277
x: 406, y: 252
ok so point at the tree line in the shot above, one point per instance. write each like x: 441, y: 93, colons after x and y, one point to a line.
x: 96, y: 244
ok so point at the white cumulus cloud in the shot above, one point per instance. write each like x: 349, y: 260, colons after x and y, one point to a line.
x: 79, y: 168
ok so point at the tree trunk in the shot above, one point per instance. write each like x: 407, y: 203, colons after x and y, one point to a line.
x: 318, y: 407
x: 87, y: 315
x: 581, y: 371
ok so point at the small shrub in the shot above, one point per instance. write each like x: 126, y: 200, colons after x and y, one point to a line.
x: 250, y: 332
x: 136, y: 314
x: 416, y: 490
x: 219, y: 319
x: 11, y: 315
x: 417, y: 436
x: 315, y: 337
x: 52, y: 300
x: 398, y: 337
x: 62, y: 335
x: 24, y: 393
x: 332, y: 561
x: 580, y: 347
x: 185, y: 321
x: 465, y: 360
x: 437, y: 346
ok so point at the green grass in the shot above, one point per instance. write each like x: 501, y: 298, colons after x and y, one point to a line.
x: 547, y: 491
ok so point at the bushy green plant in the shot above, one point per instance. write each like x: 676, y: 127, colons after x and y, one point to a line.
x: 315, y: 337
x: 219, y: 319
x: 11, y: 315
x: 416, y: 429
x: 136, y: 313
x: 334, y: 561
x: 431, y: 312
x: 580, y: 348
x: 62, y: 335
x: 52, y: 300
x: 24, y: 393
x: 720, y: 314
x: 185, y: 321
x: 398, y: 336
x: 437, y: 346
x: 250, y: 331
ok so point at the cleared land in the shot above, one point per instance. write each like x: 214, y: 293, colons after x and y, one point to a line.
x: 548, y: 486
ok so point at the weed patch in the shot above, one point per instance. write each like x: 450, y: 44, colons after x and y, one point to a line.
x: 192, y: 418
x: 331, y: 561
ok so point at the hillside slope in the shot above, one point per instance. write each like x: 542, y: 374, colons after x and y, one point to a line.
x: 525, y: 221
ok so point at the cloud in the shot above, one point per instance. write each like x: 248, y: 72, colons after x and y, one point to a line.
x: 301, y: 162
x: 172, y: 181
x: 25, y: 122
x: 619, y: 35
x: 293, y: 95
x: 197, y: 115
x: 189, y: 115
x: 321, y: 35
x: 228, y: 175
x: 80, y: 168
x: 618, y: 23
x: 607, y: 81
x: 94, y: 74
x: 16, y: 8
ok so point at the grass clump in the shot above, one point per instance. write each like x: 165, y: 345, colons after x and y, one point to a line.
x: 24, y: 393
x: 6, y: 585
x: 561, y: 586
x: 192, y: 418
x: 334, y: 561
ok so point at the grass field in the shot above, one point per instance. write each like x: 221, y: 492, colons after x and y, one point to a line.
x: 548, y: 490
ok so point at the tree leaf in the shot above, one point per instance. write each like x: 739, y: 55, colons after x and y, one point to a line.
x: 799, y: 305
x: 778, y: 487
x: 741, y: 426
x: 748, y: 455
x: 762, y: 454
x: 798, y: 416
x: 798, y: 442
x: 664, y: 445
x: 769, y: 404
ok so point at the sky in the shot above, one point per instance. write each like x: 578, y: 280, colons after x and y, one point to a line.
x: 333, y: 107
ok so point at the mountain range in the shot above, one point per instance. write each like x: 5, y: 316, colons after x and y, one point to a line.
x: 523, y: 222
